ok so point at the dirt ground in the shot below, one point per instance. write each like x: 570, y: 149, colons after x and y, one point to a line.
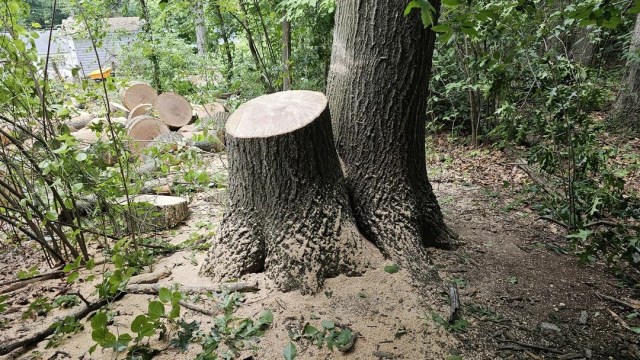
x: 523, y: 293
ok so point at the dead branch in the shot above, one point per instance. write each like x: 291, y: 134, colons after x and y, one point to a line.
x: 620, y: 320
x: 557, y: 222
x: 197, y: 309
x: 617, y: 301
x: 40, y: 335
x: 153, y: 289
x: 531, y: 346
x: 150, y: 278
x: 21, y: 283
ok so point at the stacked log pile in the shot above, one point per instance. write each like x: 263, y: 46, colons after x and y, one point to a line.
x: 150, y: 117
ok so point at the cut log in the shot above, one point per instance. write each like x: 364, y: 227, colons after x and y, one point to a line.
x: 142, y: 130
x: 156, y: 212
x: 115, y: 107
x: 203, y: 111
x: 173, y: 109
x: 85, y: 136
x: 289, y: 213
x: 215, y: 124
x: 80, y: 121
x: 138, y: 93
x: 142, y: 109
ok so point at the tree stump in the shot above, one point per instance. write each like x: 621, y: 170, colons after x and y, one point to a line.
x: 288, y: 213
x: 156, y: 212
x: 137, y: 94
x: 174, y: 110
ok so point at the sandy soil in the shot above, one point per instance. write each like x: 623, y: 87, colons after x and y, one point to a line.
x: 523, y: 294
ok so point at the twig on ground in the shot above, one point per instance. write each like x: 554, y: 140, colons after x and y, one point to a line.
x: 620, y: 320
x: 617, y: 301
x: 196, y: 308
x: 531, y: 346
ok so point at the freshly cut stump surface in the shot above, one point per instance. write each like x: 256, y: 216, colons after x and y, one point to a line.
x: 142, y: 130
x: 174, y: 110
x: 137, y: 94
x: 288, y: 213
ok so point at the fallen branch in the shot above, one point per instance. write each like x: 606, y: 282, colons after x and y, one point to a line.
x: 38, y: 336
x: 620, y: 320
x: 21, y: 283
x: 196, y: 308
x: 617, y: 301
x: 531, y: 346
x: 557, y: 222
x: 153, y: 289
x: 150, y: 278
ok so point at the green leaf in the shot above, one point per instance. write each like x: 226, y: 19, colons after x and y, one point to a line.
x: 344, y: 337
x: 290, y: 352
x: 310, y: 330
x: 328, y: 324
x: 636, y: 329
x: 156, y: 310
x: 35, y: 25
x: 81, y: 156
x: 165, y: 295
x: 451, y: 3
x: 391, y: 269
x: 266, y: 318
x: 139, y: 323
x: 72, y: 277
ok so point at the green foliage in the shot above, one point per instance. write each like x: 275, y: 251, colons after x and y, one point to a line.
x: 68, y: 325
x: 29, y: 273
x: 66, y: 301
x: 460, y: 325
x: 41, y: 306
x: 329, y: 334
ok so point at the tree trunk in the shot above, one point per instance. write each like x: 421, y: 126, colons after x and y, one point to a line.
x: 625, y: 116
x: 289, y: 213
x: 582, y: 49
x: 286, y: 54
x: 153, y: 56
x: 260, y: 63
x: 201, y: 28
x: 377, y: 90
x: 226, y: 45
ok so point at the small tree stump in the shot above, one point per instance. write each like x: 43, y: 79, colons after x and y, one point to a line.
x: 156, y: 212
x: 138, y: 93
x: 288, y: 214
x: 203, y: 111
x: 174, y: 110
x: 142, y: 130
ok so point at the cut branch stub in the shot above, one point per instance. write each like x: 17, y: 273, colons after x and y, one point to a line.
x: 142, y: 130
x: 289, y: 213
x: 174, y: 110
x: 137, y: 94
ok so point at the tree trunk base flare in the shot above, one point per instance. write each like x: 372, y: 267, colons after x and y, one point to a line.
x: 289, y: 213
x: 377, y: 90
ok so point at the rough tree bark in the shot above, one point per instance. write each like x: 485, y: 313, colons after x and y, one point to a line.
x: 377, y: 90
x: 625, y: 116
x: 289, y: 213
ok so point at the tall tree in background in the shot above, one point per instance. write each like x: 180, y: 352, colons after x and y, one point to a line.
x: 201, y: 28
x: 377, y: 90
x: 148, y: 34
x: 626, y: 111
x: 286, y: 54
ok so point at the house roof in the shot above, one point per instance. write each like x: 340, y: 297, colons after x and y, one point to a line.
x: 124, y: 23
x: 127, y: 24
